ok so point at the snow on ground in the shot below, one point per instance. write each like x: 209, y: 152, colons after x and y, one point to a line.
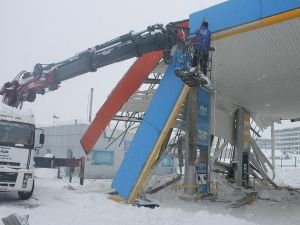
x: 55, y: 201
x: 288, y: 176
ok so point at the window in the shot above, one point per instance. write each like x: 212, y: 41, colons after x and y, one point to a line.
x: 167, y: 161
x: 16, y: 134
x: 102, y: 158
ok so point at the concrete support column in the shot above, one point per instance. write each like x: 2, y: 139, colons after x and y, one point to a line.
x: 242, y: 148
x: 190, y: 142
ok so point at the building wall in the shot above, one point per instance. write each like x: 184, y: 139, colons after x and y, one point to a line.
x: 264, y: 143
x: 288, y: 139
x: 104, y: 161
x: 285, y: 140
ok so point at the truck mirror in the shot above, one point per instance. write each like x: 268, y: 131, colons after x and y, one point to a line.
x: 42, y: 139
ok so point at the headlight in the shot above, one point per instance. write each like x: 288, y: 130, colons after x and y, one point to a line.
x: 25, y: 179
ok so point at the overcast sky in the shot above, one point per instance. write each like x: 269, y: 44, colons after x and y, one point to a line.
x: 35, y: 31
x: 48, y: 31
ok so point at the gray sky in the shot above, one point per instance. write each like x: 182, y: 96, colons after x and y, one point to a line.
x: 47, y: 31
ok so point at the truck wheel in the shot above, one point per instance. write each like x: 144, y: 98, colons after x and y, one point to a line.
x: 25, y: 195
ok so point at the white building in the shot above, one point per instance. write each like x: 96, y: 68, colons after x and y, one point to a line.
x: 264, y: 143
x: 285, y: 140
x: 288, y: 140
x: 63, y: 141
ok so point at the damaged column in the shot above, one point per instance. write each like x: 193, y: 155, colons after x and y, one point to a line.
x: 203, y: 139
x: 242, y: 148
x: 197, y: 144
x: 190, y: 143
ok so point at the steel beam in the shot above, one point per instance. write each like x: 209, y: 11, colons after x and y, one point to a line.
x: 127, y: 86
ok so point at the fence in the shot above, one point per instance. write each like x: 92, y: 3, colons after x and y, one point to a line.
x: 287, y: 162
x: 43, y: 162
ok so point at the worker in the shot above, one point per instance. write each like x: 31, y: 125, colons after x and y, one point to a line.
x: 201, y: 47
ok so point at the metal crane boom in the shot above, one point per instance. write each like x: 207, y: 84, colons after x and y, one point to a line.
x: 47, y: 77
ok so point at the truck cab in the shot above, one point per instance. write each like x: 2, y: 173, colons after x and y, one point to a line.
x: 17, y: 138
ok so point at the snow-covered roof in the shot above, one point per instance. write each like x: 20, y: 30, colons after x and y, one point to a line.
x: 65, y: 123
x: 17, y: 115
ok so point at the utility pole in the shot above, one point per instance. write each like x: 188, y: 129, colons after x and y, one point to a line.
x: 273, y: 146
x: 91, y: 105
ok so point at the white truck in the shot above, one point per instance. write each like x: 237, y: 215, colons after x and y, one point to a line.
x: 17, y: 143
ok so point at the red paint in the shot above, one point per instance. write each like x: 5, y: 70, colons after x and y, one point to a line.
x: 126, y: 87
x: 180, y: 33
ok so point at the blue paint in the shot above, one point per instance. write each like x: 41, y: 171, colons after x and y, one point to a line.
x: 236, y: 12
x: 149, y: 131
x: 134, y: 159
x: 203, y: 135
x: 203, y: 119
x: 201, y: 168
x: 203, y: 188
x: 165, y: 97
x: 273, y: 7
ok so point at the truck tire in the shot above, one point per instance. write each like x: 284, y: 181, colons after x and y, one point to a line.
x: 25, y: 195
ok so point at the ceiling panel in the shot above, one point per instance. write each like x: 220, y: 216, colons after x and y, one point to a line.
x: 260, y: 70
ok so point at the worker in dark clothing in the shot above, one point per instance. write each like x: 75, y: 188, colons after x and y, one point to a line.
x: 201, y: 47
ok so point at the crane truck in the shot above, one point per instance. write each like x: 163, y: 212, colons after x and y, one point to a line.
x: 16, y: 172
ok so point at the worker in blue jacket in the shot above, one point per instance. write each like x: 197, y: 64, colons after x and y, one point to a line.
x: 201, y: 47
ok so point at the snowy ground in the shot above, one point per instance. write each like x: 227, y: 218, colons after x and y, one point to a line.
x: 57, y: 202
x: 288, y: 176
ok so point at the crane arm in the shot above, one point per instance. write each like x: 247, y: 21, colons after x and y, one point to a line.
x: 47, y: 77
